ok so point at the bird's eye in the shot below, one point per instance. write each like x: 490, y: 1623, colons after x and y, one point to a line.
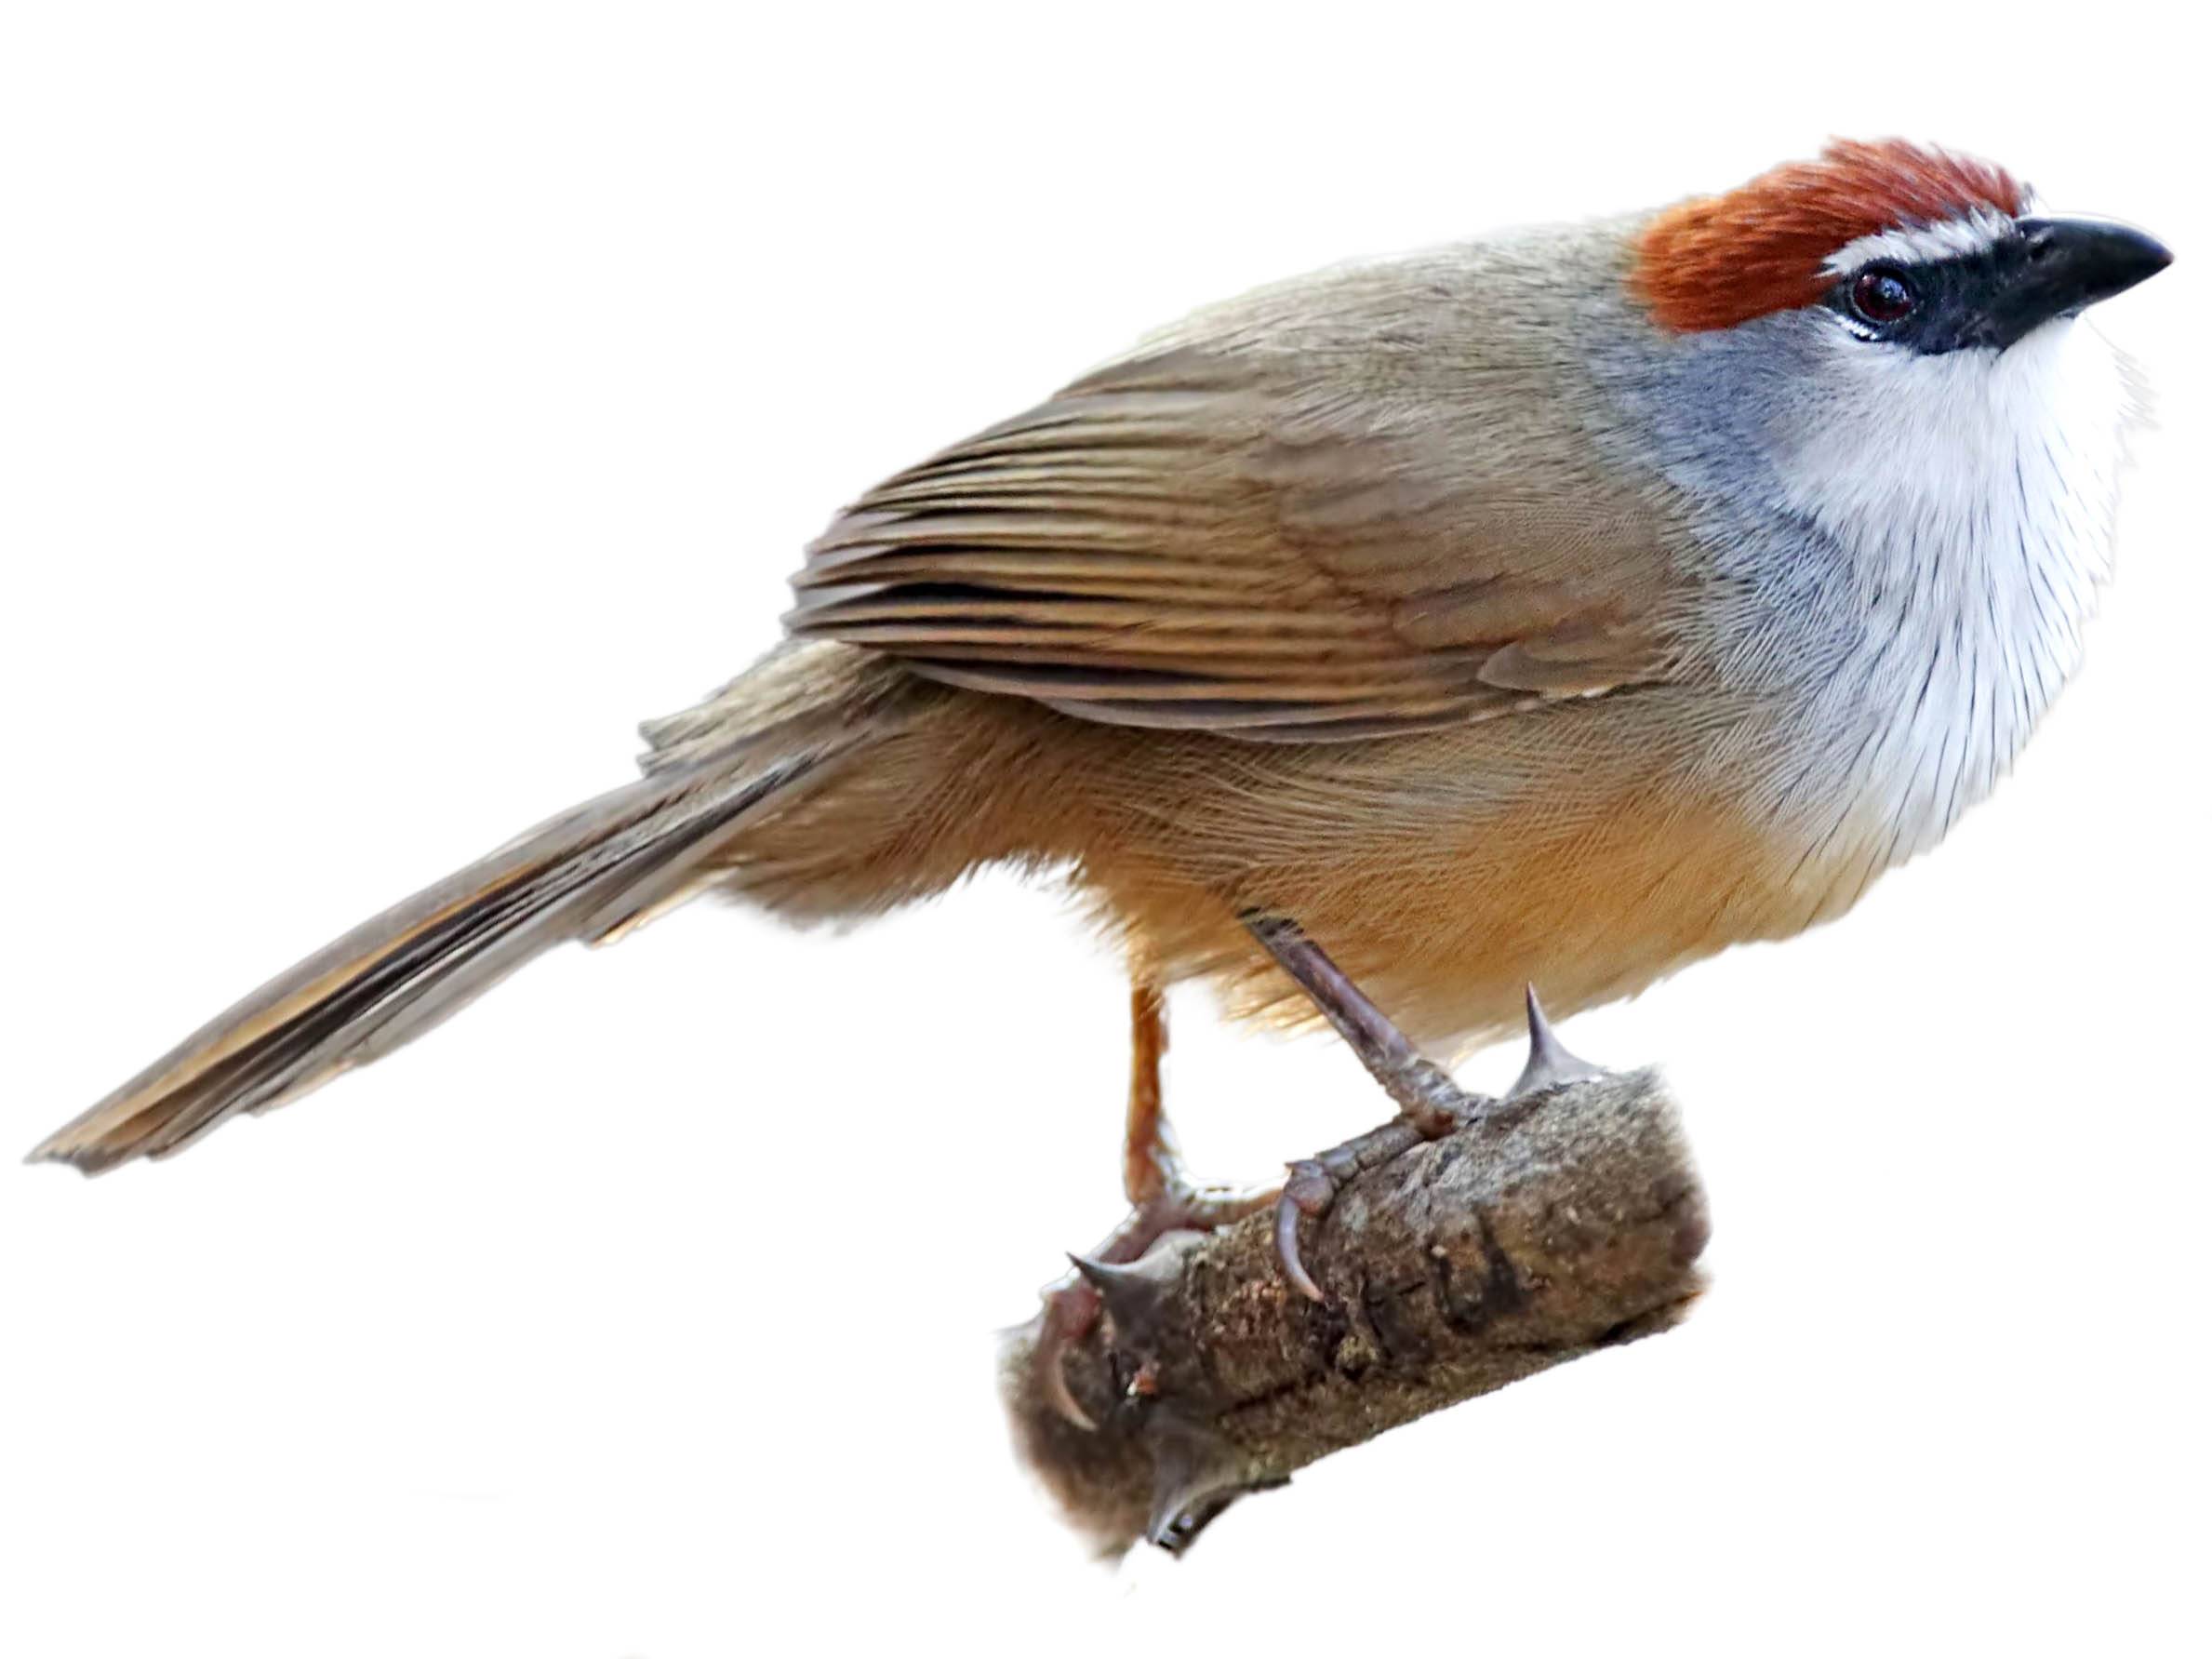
x: 1882, y: 295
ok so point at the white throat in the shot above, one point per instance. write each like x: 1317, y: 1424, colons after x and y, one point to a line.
x: 1973, y: 495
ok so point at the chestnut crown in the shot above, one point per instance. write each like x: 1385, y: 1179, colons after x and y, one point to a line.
x: 1905, y: 243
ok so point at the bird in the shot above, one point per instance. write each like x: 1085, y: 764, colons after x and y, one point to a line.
x: 1552, y: 608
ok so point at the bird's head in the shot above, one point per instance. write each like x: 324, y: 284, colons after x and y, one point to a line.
x: 1880, y: 341
x: 1894, y: 247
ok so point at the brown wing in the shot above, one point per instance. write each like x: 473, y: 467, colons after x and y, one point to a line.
x: 1241, y: 541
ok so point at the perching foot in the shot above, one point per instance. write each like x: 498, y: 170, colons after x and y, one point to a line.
x: 1163, y: 1200
x: 1431, y: 1105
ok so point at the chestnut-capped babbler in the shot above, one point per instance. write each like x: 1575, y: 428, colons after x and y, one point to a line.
x: 1556, y: 607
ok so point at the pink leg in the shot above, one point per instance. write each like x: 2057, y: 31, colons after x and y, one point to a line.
x: 1429, y: 1104
x: 1163, y: 1199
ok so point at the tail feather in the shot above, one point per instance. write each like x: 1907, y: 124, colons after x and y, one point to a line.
x: 589, y: 873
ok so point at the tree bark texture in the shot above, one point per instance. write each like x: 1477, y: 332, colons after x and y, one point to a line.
x: 1544, y: 1229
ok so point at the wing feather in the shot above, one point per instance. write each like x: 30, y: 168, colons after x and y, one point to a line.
x: 1277, y: 544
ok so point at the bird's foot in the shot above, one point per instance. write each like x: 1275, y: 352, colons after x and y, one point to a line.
x: 1163, y: 1200
x: 1315, y: 1181
x: 1073, y: 1302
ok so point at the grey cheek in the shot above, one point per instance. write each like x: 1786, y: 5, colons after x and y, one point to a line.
x: 1713, y: 405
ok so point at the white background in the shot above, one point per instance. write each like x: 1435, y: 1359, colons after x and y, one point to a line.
x: 397, y: 402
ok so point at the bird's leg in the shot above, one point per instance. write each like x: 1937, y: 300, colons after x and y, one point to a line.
x: 1163, y: 1199
x: 1429, y: 1104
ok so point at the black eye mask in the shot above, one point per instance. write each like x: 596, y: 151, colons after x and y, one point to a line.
x: 2041, y: 269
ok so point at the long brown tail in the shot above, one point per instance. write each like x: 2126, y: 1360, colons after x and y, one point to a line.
x: 587, y: 873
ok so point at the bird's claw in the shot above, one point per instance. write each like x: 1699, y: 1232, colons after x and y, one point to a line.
x: 1309, y: 1191
x: 1071, y: 1309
